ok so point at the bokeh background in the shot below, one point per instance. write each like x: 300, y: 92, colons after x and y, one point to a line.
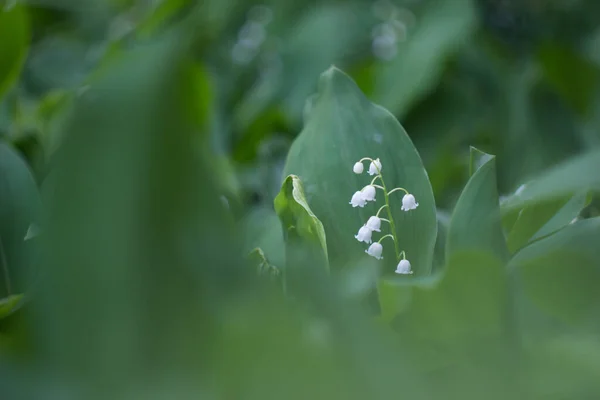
x: 156, y: 132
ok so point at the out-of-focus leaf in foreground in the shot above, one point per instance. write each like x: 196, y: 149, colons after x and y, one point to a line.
x: 455, y: 325
x: 556, y: 305
x: 342, y: 127
x: 137, y: 238
x: 559, y: 274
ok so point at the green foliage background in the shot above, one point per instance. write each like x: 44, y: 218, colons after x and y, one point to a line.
x: 174, y: 180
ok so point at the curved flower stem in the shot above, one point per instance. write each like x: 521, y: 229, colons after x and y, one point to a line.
x: 365, y: 159
x: 374, y: 179
x: 386, y: 220
x: 388, y: 235
x: 380, y: 208
x: 378, y: 187
x: 389, y: 213
x: 398, y: 188
x: 403, y: 254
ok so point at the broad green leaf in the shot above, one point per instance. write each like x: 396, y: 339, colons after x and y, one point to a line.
x: 559, y: 274
x: 569, y: 177
x: 542, y: 219
x: 441, y: 29
x: 160, y: 16
x: 530, y: 220
x: 564, y: 216
x: 14, y: 34
x: 476, y: 223
x: 342, y: 127
x: 9, y: 304
x: 466, y: 300
x: 477, y: 159
x: 301, y: 228
x: 19, y: 207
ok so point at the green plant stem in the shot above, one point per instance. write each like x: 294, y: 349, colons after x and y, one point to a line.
x: 398, y: 188
x: 390, y: 217
x: 387, y: 204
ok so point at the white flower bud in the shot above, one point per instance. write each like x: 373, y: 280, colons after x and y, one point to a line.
x: 375, y: 250
x: 364, y: 234
x: 403, y: 267
x: 409, y: 203
x: 358, y: 168
x: 369, y: 192
x: 374, y: 223
x: 358, y: 199
x: 375, y: 167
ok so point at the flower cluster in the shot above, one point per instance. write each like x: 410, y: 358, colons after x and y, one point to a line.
x: 367, y: 194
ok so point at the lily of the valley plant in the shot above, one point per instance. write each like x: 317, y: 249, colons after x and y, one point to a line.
x: 373, y: 224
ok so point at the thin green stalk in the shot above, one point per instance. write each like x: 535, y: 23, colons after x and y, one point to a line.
x: 387, y: 205
x: 390, y: 217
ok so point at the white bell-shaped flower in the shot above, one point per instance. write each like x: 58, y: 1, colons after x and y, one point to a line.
x: 375, y: 167
x: 374, y: 223
x: 369, y: 192
x: 358, y: 199
x: 409, y: 203
x: 403, y: 267
x: 364, y: 234
x: 358, y: 168
x: 375, y: 250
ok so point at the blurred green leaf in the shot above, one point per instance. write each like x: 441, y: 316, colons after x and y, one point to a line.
x: 478, y: 159
x: 19, y: 207
x: 466, y: 302
x: 573, y: 76
x: 14, y: 31
x: 567, y: 214
x: 564, y: 366
x: 327, y: 25
x: 530, y: 220
x: 259, y: 261
x: 165, y: 10
x: 342, y: 127
x: 301, y: 228
x: 542, y: 219
x: 262, y: 228
x: 456, y: 326
x: 135, y: 220
x: 559, y: 273
x: 440, y: 30
x: 9, y: 304
x: 476, y: 223
x: 571, y: 176
x: 443, y: 224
